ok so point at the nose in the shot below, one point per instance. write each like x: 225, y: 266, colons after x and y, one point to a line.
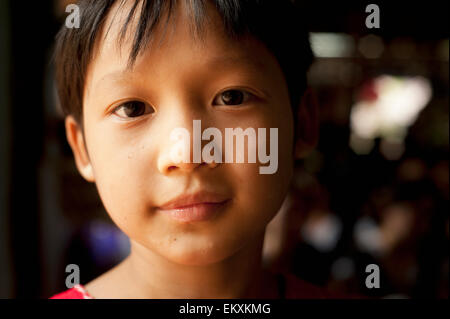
x: 183, y: 152
x: 185, y: 167
x: 167, y: 165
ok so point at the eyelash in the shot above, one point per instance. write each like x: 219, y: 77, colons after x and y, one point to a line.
x: 244, y: 95
x: 131, y: 102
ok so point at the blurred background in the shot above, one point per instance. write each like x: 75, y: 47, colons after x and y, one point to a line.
x: 375, y: 191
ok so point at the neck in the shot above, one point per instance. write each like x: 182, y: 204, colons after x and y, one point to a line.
x: 150, y: 275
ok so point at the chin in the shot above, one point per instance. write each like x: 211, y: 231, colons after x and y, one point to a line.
x: 200, y: 256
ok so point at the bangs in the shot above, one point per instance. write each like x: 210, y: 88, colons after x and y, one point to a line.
x: 148, y: 14
x: 276, y: 23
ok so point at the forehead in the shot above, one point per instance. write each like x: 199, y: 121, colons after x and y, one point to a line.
x: 176, y: 36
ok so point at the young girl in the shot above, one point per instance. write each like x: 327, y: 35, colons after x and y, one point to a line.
x: 134, y: 72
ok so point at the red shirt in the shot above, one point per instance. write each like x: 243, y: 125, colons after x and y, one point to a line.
x: 77, y: 292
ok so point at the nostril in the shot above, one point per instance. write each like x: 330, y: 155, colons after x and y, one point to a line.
x: 171, y: 168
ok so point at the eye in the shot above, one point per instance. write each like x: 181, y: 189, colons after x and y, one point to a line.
x: 133, y: 109
x: 232, y: 97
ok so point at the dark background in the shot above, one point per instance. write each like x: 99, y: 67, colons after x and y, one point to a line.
x: 50, y: 217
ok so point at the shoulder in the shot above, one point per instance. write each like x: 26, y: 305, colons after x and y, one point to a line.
x: 297, y: 288
x: 77, y: 292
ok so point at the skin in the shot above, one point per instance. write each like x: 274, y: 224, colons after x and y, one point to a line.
x: 129, y: 159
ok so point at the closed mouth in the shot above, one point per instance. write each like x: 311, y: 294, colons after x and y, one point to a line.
x: 194, y: 207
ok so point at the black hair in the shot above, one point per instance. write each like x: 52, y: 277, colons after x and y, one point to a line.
x: 276, y: 23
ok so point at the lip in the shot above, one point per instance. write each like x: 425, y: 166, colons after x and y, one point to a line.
x: 195, y: 207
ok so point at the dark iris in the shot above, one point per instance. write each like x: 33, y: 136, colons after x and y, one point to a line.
x: 133, y: 108
x: 232, y: 97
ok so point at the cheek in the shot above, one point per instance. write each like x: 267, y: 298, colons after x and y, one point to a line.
x: 123, y: 172
x: 261, y: 195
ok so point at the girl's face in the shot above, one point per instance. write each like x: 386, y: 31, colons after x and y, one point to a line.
x: 129, y: 115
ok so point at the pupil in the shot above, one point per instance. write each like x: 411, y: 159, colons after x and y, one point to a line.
x: 133, y: 109
x: 232, y: 97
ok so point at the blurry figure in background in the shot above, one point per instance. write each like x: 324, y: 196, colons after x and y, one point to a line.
x: 406, y: 234
x: 403, y: 230
x: 386, y: 244
x: 303, y: 236
x: 440, y: 176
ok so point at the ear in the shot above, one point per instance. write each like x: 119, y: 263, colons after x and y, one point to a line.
x: 75, y: 138
x: 307, y: 134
